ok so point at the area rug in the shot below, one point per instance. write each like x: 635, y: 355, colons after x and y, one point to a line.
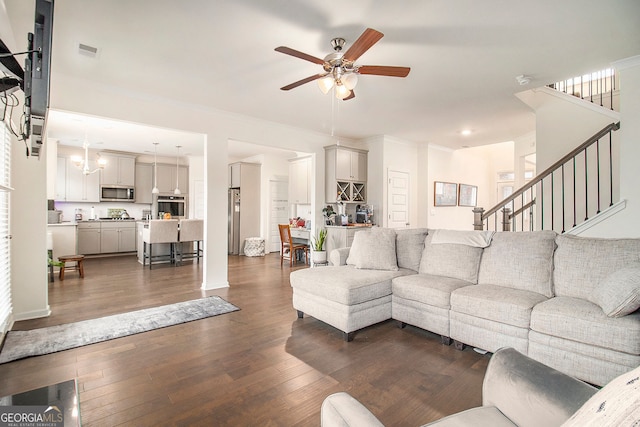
x: 36, y: 342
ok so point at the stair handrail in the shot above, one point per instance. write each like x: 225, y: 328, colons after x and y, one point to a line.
x: 548, y: 171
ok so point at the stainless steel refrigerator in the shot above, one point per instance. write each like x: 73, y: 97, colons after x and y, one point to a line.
x: 234, y: 221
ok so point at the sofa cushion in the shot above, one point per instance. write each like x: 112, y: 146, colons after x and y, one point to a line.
x: 497, y: 303
x: 619, y: 293
x: 616, y: 404
x: 581, y: 263
x: 409, y: 247
x: 522, y: 260
x: 375, y: 250
x: 579, y: 320
x: 345, y: 284
x: 450, y: 260
x: 427, y: 289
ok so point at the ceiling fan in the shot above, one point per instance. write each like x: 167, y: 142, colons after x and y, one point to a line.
x: 340, y: 68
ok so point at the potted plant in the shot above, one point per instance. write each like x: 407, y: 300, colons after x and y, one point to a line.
x: 318, y: 254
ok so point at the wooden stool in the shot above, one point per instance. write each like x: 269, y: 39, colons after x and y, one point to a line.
x: 78, y: 259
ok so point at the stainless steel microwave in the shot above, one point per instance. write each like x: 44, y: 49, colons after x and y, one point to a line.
x: 113, y: 193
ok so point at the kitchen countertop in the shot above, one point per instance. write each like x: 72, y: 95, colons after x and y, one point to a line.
x: 63, y: 224
x: 349, y: 225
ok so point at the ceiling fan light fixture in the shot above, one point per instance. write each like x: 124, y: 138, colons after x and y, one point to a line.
x: 341, y: 91
x: 350, y: 80
x: 325, y: 83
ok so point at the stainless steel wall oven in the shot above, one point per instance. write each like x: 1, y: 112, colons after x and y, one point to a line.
x: 174, y: 205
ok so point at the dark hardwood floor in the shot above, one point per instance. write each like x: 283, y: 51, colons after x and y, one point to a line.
x: 260, y: 366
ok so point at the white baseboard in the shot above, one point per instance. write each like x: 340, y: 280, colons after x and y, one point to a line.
x: 602, y: 216
x: 35, y: 314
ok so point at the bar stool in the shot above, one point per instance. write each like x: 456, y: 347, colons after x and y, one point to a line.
x: 191, y: 231
x: 78, y: 266
x: 160, y: 231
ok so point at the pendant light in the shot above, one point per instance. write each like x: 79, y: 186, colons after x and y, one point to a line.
x: 177, y: 190
x: 155, y: 169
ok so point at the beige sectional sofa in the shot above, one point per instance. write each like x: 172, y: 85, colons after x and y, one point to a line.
x: 569, y: 302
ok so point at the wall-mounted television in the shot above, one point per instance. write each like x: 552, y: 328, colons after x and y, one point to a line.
x: 37, y: 73
x: 35, y: 79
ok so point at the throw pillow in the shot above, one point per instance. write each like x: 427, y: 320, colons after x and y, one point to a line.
x: 409, y: 247
x: 616, y: 404
x: 376, y: 250
x: 619, y: 293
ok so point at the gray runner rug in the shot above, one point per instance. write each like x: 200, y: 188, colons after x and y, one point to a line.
x: 36, y: 342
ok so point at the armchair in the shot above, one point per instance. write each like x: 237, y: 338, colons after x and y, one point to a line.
x: 520, y: 391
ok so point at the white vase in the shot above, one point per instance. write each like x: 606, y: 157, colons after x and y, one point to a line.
x: 319, y: 257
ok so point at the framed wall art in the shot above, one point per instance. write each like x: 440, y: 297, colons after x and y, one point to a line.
x: 467, y: 195
x: 445, y: 193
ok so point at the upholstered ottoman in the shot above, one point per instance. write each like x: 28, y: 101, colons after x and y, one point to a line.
x: 354, y: 296
x: 345, y: 297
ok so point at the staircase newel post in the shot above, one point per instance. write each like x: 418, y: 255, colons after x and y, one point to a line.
x: 477, y: 218
x: 506, y: 219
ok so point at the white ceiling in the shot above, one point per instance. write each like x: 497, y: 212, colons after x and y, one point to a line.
x: 464, y: 56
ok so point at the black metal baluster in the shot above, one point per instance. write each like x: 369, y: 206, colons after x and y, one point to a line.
x: 613, y: 85
x: 563, y: 202
x: 586, y: 187
x: 598, y: 173
x: 610, y: 169
x: 542, y: 205
x: 552, y: 202
x: 600, y: 83
x: 574, y: 191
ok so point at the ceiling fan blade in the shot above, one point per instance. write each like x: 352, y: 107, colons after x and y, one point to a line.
x: 381, y: 70
x: 303, y: 81
x: 351, y: 96
x: 364, y: 42
x: 298, y: 54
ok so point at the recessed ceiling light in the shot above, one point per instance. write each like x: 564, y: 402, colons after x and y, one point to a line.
x: 465, y: 132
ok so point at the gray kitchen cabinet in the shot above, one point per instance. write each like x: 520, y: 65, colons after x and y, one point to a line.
x: 351, y: 165
x: 300, y: 180
x: 167, y: 178
x: 345, y: 174
x: 89, y: 238
x: 73, y: 186
x: 144, y: 183
x: 119, y: 170
x: 118, y: 236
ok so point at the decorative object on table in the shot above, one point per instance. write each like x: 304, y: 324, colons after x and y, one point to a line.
x: 329, y: 215
x: 36, y: 342
x: 467, y: 195
x: 318, y: 254
x: 445, y: 193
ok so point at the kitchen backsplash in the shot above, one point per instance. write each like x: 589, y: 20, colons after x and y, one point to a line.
x: 102, y: 210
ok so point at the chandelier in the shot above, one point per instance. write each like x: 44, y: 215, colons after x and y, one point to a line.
x: 83, y: 163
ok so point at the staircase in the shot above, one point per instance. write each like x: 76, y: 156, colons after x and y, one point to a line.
x: 574, y: 189
x: 600, y: 88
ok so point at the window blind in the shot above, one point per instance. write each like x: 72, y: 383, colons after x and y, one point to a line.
x: 5, y: 252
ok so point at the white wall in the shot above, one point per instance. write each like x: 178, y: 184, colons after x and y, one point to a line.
x: 625, y: 223
x: 473, y: 166
x: 274, y: 168
x: 29, y: 274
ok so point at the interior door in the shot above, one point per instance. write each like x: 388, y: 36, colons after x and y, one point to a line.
x: 278, y: 194
x: 398, y: 199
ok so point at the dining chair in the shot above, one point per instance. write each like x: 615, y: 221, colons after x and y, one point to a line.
x: 288, y: 249
x: 160, y: 231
